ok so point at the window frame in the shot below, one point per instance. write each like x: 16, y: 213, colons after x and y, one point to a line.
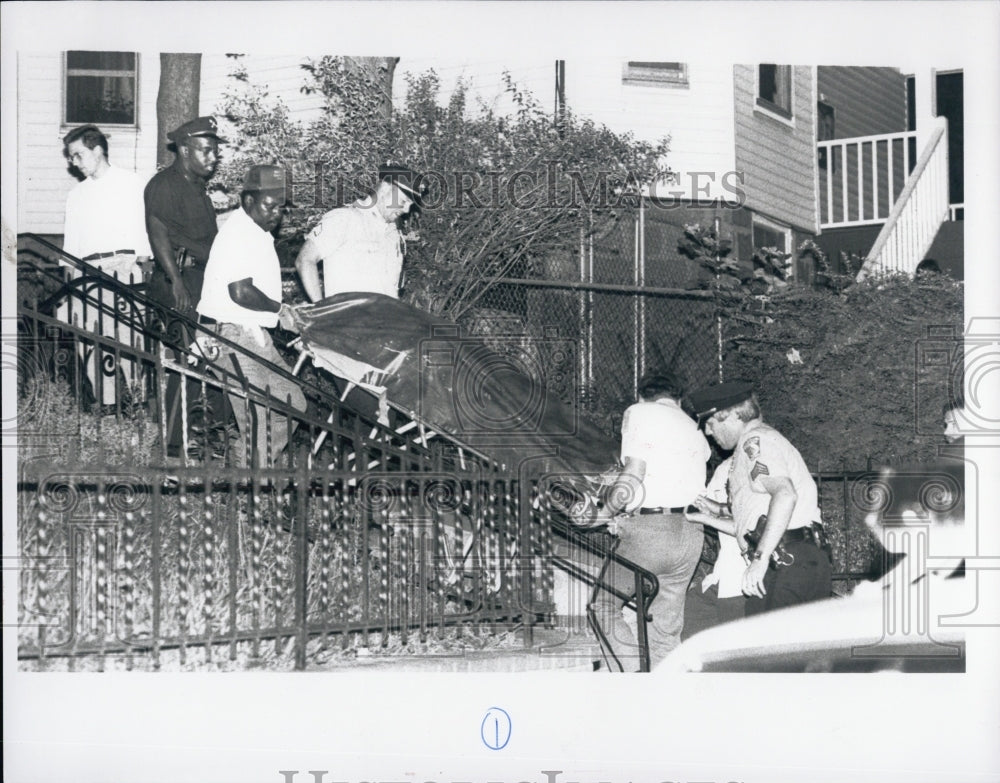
x: 770, y: 225
x: 67, y: 123
x: 645, y: 74
x: 778, y: 228
x: 770, y: 108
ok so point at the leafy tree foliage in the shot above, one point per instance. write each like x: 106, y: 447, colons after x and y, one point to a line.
x: 504, y: 190
x: 836, y: 365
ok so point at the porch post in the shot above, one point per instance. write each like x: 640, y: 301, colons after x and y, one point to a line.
x: 924, y: 94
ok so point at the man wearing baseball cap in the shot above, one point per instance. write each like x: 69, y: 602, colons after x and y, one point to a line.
x: 242, y: 294
x: 773, y: 498
x: 360, y: 245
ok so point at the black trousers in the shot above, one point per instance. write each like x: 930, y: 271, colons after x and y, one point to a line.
x: 206, y: 411
x: 808, y: 578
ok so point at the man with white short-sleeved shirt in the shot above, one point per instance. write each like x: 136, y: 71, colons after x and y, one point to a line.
x: 772, y: 494
x: 359, y: 244
x: 242, y: 294
x: 663, y: 456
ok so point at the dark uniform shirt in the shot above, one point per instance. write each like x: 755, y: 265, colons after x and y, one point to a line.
x: 185, y: 209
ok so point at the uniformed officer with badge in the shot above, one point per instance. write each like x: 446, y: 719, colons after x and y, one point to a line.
x: 774, y: 501
x: 360, y: 245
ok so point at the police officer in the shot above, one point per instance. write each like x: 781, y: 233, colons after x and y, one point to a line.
x: 360, y: 245
x: 774, y: 499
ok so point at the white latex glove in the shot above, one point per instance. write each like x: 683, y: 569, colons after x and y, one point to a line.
x: 288, y: 317
x: 204, y: 347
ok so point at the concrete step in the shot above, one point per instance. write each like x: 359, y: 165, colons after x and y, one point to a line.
x: 554, y: 649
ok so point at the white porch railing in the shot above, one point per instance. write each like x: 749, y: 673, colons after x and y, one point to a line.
x: 860, y: 178
x: 918, y: 212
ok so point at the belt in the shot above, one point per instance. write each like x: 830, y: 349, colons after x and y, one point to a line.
x: 662, y: 510
x: 813, y: 533
x: 796, y: 535
x: 109, y: 254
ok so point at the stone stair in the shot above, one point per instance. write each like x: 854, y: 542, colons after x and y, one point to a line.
x: 554, y: 649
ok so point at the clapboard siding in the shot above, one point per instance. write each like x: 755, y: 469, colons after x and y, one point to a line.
x: 281, y: 75
x: 866, y: 101
x: 44, y: 179
x: 698, y: 118
x: 778, y: 159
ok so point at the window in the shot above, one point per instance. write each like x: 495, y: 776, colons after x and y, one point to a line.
x: 655, y: 74
x: 774, y: 89
x: 100, y: 88
x: 770, y: 235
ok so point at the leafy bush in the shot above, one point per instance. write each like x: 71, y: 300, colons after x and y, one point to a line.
x: 835, y: 365
x: 503, y: 192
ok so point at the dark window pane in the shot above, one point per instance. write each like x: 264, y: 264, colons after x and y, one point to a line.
x: 657, y: 65
x: 105, y: 61
x: 101, y: 88
x: 768, y: 89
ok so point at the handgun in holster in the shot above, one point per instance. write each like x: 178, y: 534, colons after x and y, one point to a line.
x: 779, y: 557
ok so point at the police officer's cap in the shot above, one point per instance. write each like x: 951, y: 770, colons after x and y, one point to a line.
x: 403, y: 177
x: 712, y: 399
x: 200, y: 126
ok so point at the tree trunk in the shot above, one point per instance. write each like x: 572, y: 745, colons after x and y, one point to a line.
x: 177, y: 98
x: 379, y: 72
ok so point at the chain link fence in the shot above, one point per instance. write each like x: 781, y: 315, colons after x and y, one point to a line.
x: 628, y: 302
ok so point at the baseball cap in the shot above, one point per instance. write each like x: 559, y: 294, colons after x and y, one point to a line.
x: 270, y: 180
x: 200, y: 126
x: 712, y: 399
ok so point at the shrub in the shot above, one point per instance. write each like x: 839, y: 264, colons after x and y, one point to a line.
x: 504, y: 191
x: 835, y: 365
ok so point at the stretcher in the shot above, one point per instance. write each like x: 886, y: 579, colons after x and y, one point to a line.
x: 432, y: 381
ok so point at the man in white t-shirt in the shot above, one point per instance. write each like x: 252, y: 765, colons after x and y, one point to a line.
x: 242, y: 294
x: 664, y: 455
x: 360, y: 245
x: 105, y: 227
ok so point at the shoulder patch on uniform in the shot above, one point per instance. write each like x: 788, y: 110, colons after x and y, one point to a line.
x: 759, y: 469
x: 752, y: 447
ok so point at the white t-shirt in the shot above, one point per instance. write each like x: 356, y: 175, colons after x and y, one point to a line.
x: 729, y: 566
x: 360, y: 250
x: 241, y: 249
x: 762, y: 450
x: 106, y: 214
x: 673, y: 448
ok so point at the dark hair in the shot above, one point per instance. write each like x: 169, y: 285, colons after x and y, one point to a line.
x: 748, y: 410
x: 662, y: 384
x: 928, y: 266
x: 91, y: 137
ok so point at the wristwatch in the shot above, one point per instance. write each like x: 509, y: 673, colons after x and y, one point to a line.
x: 758, y: 555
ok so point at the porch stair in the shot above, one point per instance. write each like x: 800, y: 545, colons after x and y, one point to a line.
x: 554, y: 649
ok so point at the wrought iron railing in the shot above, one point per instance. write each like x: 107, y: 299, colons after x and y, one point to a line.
x: 359, y: 533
